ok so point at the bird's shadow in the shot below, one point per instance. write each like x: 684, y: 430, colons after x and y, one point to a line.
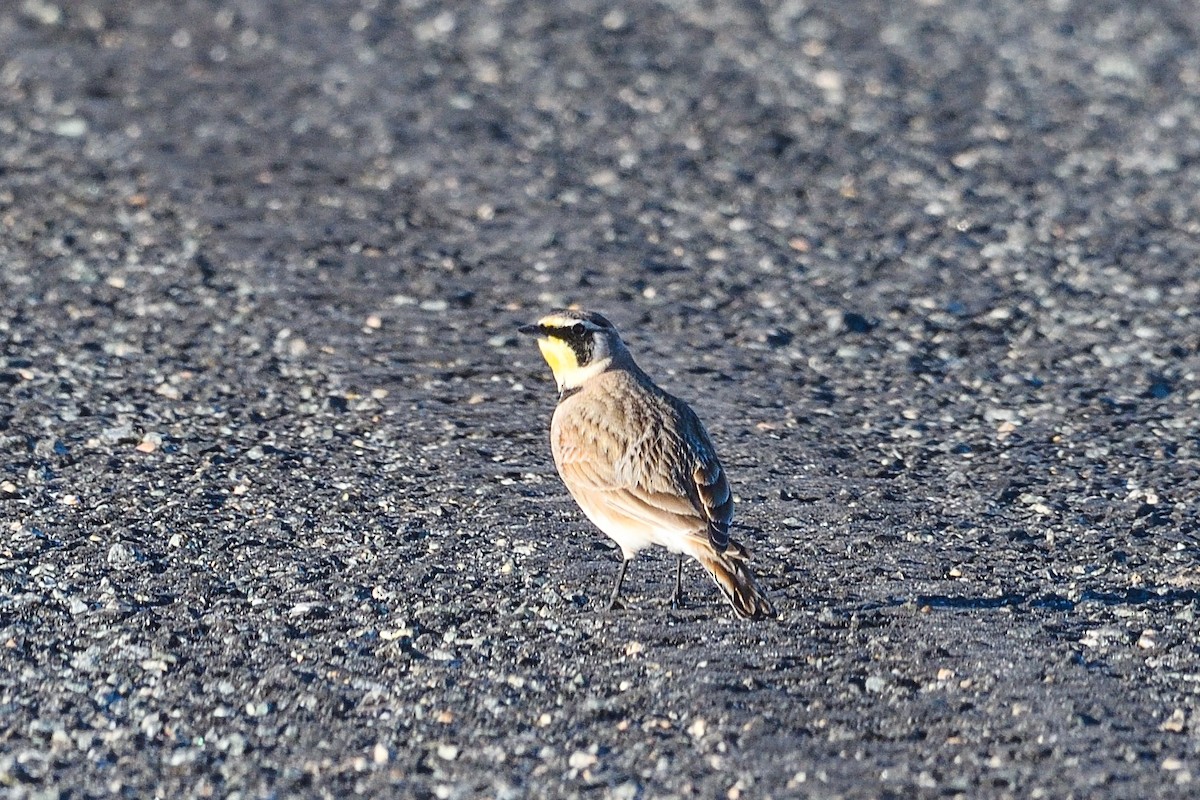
x: 1052, y: 600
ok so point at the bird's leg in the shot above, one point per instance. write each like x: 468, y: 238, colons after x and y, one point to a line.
x: 677, y: 597
x: 616, y: 590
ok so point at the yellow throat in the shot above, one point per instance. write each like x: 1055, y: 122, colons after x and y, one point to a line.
x: 560, y: 357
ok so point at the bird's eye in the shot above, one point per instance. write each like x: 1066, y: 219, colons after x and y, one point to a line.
x: 578, y: 329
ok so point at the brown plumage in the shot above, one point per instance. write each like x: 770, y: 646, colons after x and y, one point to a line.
x: 638, y: 460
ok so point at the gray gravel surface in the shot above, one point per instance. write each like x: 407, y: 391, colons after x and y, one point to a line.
x: 277, y: 510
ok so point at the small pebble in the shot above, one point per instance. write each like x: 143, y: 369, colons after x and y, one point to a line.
x: 118, y: 434
x: 120, y: 555
x: 1176, y: 723
x: 614, y: 20
x: 46, y: 13
x: 71, y: 128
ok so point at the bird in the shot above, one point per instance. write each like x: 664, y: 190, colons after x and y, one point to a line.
x: 638, y: 461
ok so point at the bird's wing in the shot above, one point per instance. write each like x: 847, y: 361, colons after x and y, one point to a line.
x: 662, y: 474
x: 708, y: 482
x: 625, y: 468
x: 716, y: 501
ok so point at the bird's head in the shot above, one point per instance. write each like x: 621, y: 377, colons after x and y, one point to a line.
x: 577, y: 345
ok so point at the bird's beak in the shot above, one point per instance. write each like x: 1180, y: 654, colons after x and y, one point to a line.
x: 530, y: 330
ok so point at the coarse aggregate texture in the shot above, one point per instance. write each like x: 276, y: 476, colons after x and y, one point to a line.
x: 277, y: 511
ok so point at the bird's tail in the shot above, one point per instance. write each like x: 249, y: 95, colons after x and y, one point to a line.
x: 733, y: 576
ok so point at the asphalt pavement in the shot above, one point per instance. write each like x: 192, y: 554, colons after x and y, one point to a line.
x: 278, y: 516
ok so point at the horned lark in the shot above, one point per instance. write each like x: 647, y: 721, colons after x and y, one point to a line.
x: 637, y: 460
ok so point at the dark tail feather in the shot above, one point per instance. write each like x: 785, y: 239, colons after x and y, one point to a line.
x: 734, y: 578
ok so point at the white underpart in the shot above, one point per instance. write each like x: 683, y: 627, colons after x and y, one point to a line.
x: 635, y: 533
